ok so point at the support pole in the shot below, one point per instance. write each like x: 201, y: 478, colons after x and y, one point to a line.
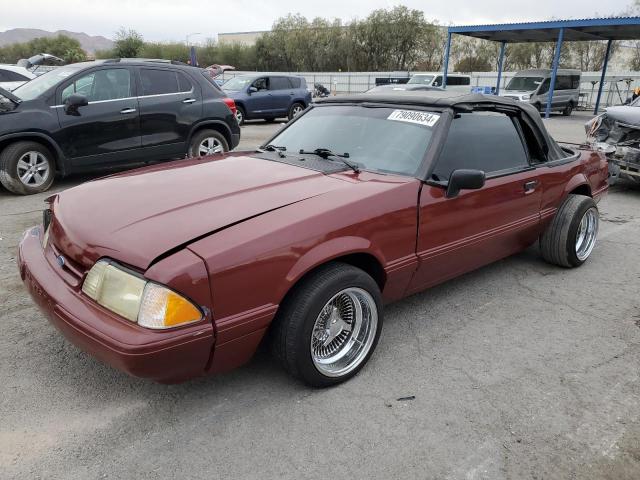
x: 602, y: 77
x: 554, y: 72
x: 447, y: 51
x: 500, y: 64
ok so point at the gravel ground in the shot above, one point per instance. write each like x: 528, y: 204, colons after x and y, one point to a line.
x: 520, y: 370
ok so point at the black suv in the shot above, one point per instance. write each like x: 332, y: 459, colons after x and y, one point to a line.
x: 110, y: 114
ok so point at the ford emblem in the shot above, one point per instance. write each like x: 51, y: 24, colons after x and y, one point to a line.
x: 60, y: 260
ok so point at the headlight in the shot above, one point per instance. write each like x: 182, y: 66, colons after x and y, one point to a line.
x: 525, y: 97
x: 147, y: 303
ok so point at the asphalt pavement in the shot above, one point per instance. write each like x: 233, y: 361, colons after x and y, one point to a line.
x: 519, y: 370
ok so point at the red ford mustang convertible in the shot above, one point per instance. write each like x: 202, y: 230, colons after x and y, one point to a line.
x: 180, y: 270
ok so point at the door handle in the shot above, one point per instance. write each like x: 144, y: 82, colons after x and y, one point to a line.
x: 124, y: 111
x: 531, y: 186
x: 189, y: 100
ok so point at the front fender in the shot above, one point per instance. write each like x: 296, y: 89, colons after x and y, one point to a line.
x: 327, y: 251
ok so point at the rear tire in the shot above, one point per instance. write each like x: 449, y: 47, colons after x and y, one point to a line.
x: 568, y: 110
x: 295, y: 110
x: 207, y: 142
x: 571, y: 236
x: 26, y: 168
x: 329, y: 325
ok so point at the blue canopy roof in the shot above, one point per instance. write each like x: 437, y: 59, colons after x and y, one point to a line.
x: 612, y: 28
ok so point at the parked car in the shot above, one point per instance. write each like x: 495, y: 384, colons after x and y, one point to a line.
x: 109, y: 114
x: 267, y: 96
x: 426, y: 82
x: 532, y: 86
x: 12, y: 76
x: 302, y: 242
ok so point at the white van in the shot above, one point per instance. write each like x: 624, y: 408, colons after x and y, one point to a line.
x: 428, y: 81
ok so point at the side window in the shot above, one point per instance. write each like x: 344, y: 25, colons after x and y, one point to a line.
x: 260, y: 83
x: 100, y: 85
x: 563, y: 82
x: 465, y: 81
x: 438, y: 81
x: 544, y: 87
x: 296, y: 82
x: 575, y: 82
x: 484, y: 141
x: 158, y: 82
x: 279, y: 83
x: 184, y: 83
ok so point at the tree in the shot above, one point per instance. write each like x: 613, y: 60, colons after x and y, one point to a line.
x: 129, y: 43
x: 67, y: 48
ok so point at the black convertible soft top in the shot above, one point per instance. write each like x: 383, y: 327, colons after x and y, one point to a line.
x: 443, y: 100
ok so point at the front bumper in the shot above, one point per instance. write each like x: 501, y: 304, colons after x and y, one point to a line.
x: 168, y: 356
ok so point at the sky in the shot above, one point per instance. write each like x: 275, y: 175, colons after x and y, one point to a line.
x: 171, y: 20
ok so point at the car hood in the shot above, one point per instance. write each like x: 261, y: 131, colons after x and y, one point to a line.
x: 505, y: 93
x: 138, y: 216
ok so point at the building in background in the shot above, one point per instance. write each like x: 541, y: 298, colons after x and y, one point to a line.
x: 243, y: 38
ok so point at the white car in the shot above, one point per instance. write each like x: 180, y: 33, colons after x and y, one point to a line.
x: 11, y: 76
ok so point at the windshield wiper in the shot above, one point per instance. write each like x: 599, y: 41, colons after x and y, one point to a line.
x: 325, y: 153
x: 275, y: 148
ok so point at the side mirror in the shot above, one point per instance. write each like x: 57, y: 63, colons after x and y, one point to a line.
x: 73, y: 102
x: 463, y: 179
x: 252, y: 90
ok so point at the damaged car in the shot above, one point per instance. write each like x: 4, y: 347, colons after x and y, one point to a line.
x: 617, y: 133
x: 183, y: 269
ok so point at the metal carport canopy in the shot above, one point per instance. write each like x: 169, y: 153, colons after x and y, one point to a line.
x: 586, y: 29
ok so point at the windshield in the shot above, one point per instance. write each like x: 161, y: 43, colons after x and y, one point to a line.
x: 237, y: 83
x: 421, y: 79
x: 386, y: 140
x: 526, y: 84
x: 44, y: 82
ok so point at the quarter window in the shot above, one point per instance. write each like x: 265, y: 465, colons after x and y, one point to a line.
x: 100, y: 85
x: 484, y: 141
x: 158, y: 82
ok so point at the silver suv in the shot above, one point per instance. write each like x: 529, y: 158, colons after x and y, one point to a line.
x: 533, y: 86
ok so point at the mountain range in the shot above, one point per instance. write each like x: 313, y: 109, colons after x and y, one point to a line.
x: 89, y: 43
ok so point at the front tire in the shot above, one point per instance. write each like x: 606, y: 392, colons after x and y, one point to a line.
x: 570, y: 238
x: 207, y: 142
x: 328, y: 327
x: 241, y: 115
x: 26, y: 168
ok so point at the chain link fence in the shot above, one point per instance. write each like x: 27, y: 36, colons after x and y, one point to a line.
x: 618, y: 85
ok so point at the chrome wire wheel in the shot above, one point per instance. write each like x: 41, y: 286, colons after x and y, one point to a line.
x: 344, y: 332
x: 587, y: 234
x: 209, y: 146
x: 33, y: 169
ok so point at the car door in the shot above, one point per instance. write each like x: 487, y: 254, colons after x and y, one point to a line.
x: 258, y: 102
x: 459, y: 234
x: 170, y: 104
x: 281, y: 93
x: 105, y: 131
